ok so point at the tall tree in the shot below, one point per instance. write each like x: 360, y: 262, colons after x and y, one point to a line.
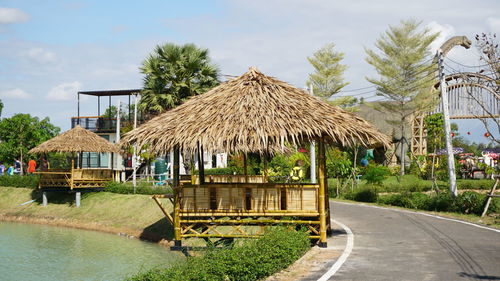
x: 406, y: 73
x: 1, y: 108
x: 174, y: 73
x: 489, y: 50
x: 327, y: 79
x: 22, y: 132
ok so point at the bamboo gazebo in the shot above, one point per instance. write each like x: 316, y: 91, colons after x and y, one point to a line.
x: 253, y: 113
x: 75, y: 141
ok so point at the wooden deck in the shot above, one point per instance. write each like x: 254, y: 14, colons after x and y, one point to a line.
x: 75, y: 178
x: 225, y: 210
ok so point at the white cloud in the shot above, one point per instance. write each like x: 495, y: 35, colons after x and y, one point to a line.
x: 64, y: 91
x: 40, y: 55
x: 445, y: 32
x: 12, y: 15
x: 494, y: 24
x: 15, y: 94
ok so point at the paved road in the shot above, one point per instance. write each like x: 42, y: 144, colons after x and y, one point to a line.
x: 394, y: 245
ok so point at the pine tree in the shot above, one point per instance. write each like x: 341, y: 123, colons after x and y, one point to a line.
x: 406, y: 71
x: 327, y: 79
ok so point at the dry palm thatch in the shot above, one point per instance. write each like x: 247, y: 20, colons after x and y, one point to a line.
x: 252, y: 113
x: 76, y: 140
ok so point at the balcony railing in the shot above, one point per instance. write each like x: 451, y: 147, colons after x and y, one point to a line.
x: 95, y: 123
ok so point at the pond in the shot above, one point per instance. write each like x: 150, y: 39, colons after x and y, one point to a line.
x: 38, y: 252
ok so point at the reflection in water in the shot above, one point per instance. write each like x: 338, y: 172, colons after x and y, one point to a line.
x: 37, y: 252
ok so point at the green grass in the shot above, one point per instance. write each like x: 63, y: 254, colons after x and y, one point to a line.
x: 102, y: 209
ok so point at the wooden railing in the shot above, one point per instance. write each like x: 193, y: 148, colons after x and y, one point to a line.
x: 251, y: 198
x: 75, y: 178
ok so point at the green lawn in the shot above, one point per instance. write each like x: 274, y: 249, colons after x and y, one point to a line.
x: 138, y: 213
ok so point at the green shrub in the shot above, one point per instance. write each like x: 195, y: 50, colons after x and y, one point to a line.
x: 217, y: 171
x: 141, y: 188
x: 376, y: 174
x: 26, y: 181
x: 483, y: 184
x: 253, y: 260
x: 362, y: 195
x: 470, y: 202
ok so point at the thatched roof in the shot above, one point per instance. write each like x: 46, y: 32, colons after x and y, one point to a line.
x: 76, y: 140
x: 252, y: 113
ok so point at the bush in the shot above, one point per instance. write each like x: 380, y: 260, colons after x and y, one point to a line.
x: 141, y: 188
x: 376, y: 174
x: 414, y: 200
x: 362, y: 195
x: 26, y: 181
x: 468, y: 202
x: 253, y: 260
x: 483, y: 184
x: 218, y: 171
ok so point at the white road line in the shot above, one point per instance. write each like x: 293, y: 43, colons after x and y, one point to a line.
x: 347, y: 251
x: 423, y: 214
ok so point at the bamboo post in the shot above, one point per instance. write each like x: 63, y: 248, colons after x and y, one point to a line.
x: 490, y: 195
x: 264, y: 159
x: 245, y: 167
x: 71, y: 175
x: 201, y: 164
x: 191, y: 162
x: 321, y: 193
x: 327, y: 199
x: 177, y: 203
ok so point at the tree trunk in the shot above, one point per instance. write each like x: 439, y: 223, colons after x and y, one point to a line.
x: 402, y: 156
x: 21, y: 172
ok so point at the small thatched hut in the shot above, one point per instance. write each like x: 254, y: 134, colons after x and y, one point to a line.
x: 75, y: 141
x: 253, y: 113
x: 259, y: 114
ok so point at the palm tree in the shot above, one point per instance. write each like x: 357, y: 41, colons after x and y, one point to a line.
x: 174, y: 73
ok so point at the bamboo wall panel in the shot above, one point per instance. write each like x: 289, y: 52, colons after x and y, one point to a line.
x: 230, y: 198
x: 195, y: 199
x: 265, y: 199
x: 249, y: 197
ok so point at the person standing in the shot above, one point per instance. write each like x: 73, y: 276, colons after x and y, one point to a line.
x: 17, y: 167
x: 31, y: 166
x: 10, y: 170
x: 2, y: 168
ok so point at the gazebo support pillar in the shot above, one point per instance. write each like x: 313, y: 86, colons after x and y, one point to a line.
x: 77, y: 199
x: 245, y: 167
x: 177, y: 202
x: 201, y: 164
x: 44, y: 198
x: 322, y: 193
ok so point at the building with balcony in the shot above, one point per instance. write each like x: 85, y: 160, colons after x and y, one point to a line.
x: 104, y: 122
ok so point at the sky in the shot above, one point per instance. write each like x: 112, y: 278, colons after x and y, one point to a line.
x: 50, y: 50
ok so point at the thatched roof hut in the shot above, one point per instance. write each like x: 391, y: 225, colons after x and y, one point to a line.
x: 76, y: 140
x: 253, y: 113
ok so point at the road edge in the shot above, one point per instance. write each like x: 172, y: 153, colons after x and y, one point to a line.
x: 423, y: 214
x: 345, y: 254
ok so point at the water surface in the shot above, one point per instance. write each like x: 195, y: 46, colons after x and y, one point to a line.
x: 38, y: 252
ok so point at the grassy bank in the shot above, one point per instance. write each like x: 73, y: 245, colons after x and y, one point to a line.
x: 134, y: 215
